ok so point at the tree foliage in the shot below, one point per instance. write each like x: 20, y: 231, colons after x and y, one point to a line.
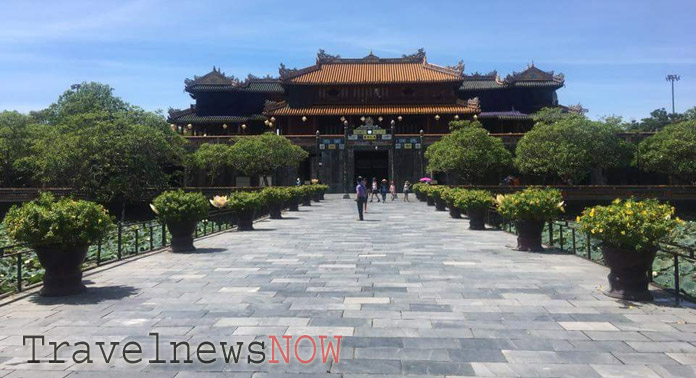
x: 468, y: 151
x: 15, y: 139
x: 569, y: 148
x: 260, y: 155
x: 659, y: 118
x: 97, y: 144
x: 213, y: 158
x: 671, y: 151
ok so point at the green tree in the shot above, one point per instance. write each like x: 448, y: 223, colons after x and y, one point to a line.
x: 214, y: 158
x: 15, y: 140
x: 659, y: 118
x: 468, y: 151
x: 101, y: 146
x: 261, y: 155
x: 569, y: 148
x: 671, y: 151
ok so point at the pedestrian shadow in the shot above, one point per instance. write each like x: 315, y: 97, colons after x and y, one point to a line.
x: 93, y: 295
x: 290, y: 218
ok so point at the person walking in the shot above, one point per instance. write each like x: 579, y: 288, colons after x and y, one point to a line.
x: 392, y: 190
x: 361, y: 196
x: 375, y: 189
x: 298, y: 182
x: 407, y: 190
x: 384, y: 189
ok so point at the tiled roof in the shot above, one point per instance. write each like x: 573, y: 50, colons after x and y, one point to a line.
x: 217, y: 81
x: 252, y: 86
x: 276, y: 109
x: 534, y: 77
x: 188, y: 116
x: 508, y: 115
x: 331, y: 69
x: 480, y: 84
x: 377, y: 73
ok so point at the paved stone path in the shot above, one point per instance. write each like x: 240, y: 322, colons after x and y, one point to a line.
x: 412, y: 291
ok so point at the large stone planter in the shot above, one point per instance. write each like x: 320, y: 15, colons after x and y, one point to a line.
x: 275, y: 210
x: 454, y: 211
x: 182, y: 235
x: 307, y: 200
x: 294, y: 204
x: 422, y: 197
x: 245, y: 220
x: 628, y: 273
x: 430, y: 201
x: 440, y: 204
x: 316, y: 197
x: 63, y: 266
x: 477, y: 219
x: 529, y: 235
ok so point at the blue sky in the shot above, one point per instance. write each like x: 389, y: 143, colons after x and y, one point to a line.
x: 615, y: 54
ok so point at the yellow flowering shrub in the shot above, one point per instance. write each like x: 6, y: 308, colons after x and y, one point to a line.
x: 631, y: 224
x: 531, y: 204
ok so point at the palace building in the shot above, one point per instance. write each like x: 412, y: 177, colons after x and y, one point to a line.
x: 368, y: 116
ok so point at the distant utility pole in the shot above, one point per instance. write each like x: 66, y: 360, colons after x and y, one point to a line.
x: 672, y: 78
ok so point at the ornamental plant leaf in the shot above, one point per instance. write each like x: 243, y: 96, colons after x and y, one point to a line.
x: 178, y: 206
x: 64, y: 222
x: 635, y: 225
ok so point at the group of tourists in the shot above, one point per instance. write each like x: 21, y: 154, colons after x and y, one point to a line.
x: 377, y: 190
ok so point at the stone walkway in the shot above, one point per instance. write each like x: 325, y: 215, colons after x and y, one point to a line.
x: 411, y: 291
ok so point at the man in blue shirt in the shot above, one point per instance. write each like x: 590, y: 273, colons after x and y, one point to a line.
x: 361, y: 196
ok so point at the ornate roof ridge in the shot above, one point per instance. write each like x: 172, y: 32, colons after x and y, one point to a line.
x: 532, y: 73
x: 214, y: 77
x: 493, y: 75
x: 371, y: 58
x: 176, y: 113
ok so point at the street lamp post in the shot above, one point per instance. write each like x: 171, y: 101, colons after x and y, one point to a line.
x: 393, y: 152
x: 672, y: 79
x: 318, y: 134
x: 422, y: 174
x: 345, y: 160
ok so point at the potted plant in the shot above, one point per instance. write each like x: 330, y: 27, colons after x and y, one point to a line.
x: 475, y: 203
x: 629, y: 231
x: 276, y: 197
x: 245, y: 205
x: 60, y: 232
x: 435, y: 192
x: 307, y: 191
x: 530, y: 209
x: 296, y: 193
x: 448, y: 196
x: 181, y: 211
x: 429, y: 199
x: 322, y: 190
x: 418, y: 190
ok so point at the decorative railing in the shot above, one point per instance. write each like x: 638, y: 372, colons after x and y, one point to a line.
x: 674, y: 262
x: 20, y: 268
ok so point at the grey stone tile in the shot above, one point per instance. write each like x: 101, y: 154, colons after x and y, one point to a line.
x: 418, y: 295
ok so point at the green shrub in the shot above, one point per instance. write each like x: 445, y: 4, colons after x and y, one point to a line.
x: 65, y: 222
x: 449, y: 195
x: 246, y: 201
x: 531, y: 204
x: 473, y: 199
x: 296, y: 192
x: 435, y: 191
x: 631, y: 224
x: 418, y: 187
x: 276, y: 195
x: 177, y: 206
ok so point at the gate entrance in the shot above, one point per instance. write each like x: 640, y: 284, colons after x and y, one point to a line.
x: 369, y: 164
